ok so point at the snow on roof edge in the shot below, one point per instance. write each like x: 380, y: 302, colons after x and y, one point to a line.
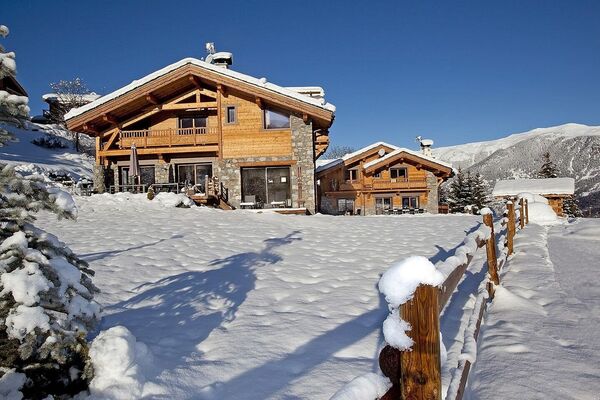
x: 512, y: 187
x: 412, y: 152
x: 202, y: 64
x: 354, y: 154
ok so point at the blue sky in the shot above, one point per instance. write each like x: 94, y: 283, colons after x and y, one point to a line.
x: 452, y: 71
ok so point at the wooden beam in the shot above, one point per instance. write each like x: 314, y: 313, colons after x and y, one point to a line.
x: 90, y: 128
x: 195, y: 81
x: 222, y: 89
x: 163, y: 150
x: 183, y: 106
x: 259, y: 102
x: 145, y: 114
x: 110, y: 119
x: 112, y: 138
x: 150, y: 98
x: 305, y: 118
x: 183, y: 96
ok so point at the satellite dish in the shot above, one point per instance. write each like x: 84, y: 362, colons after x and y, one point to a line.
x: 381, y: 152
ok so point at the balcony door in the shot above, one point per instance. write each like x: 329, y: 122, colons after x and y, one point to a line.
x: 382, y: 204
x: 194, y: 174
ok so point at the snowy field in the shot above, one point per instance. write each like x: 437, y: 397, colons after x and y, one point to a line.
x: 239, y: 305
x: 540, y: 338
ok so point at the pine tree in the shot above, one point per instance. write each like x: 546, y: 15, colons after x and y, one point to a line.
x: 46, y: 292
x: 460, y: 195
x: 479, y: 191
x: 549, y: 169
x: 570, y: 208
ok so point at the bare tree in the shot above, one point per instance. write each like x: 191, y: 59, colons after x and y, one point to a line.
x: 338, y: 152
x: 67, y: 95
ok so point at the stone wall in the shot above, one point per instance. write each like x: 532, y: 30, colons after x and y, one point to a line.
x: 99, y: 179
x: 328, y: 205
x: 161, y: 172
x: 432, y: 206
x: 229, y: 173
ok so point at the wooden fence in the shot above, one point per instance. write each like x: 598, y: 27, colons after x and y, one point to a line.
x: 416, y: 374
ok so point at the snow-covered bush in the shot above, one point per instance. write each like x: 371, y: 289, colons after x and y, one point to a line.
x: 119, y: 362
x: 50, y: 142
x: 46, y: 292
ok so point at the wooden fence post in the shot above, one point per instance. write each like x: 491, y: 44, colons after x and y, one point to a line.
x: 522, y: 213
x: 420, y: 374
x: 492, y: 260
x: 527, y: 211
x: 510, y: 231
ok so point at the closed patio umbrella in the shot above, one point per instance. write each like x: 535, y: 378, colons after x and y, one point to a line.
x: 134, y: 165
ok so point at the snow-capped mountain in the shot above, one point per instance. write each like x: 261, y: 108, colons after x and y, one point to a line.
x: 574, y: 148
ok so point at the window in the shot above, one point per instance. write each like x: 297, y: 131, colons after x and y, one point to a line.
x: 194, y: 174
x: 276, y: 119
x: 382, y: 204
x: 377, y: 174
x: 398, y: 173
x: 346, y: 206
x: 269, y: 187
x: 351, y: 174
x: 410, y: 202
x: 191, y: 122
x: 231, y: 115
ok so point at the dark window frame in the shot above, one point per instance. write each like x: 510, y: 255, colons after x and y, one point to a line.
x: 235, y: 114
x: 405, y: 177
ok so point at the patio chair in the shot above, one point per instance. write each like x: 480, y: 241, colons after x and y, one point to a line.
x: 249, y: 201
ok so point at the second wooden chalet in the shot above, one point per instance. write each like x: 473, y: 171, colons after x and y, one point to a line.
x: 382, y: 179
x: 195, y: 123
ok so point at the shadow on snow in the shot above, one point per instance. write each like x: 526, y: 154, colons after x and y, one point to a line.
x: 176, y: 313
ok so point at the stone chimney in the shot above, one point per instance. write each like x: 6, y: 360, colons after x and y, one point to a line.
x: 426, y: 147
x: 221, y: 58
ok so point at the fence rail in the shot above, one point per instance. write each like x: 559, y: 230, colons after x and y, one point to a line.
x: 416, y: 374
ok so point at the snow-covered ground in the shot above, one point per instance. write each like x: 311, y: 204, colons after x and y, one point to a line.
x: 32, y: 159
x: 251, y: 306
x: 540, y: 337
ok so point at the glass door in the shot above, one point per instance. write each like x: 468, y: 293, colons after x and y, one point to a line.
x: 382, y: 204
x: 278, y: 187
x: 202, y: 171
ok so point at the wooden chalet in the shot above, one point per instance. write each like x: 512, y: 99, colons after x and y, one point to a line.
x: 10, y: 84
x: 555, y: 190
x: 381, y: 179
x: 198, y: 126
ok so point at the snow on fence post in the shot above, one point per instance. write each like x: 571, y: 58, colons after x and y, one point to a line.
x: 491, y: 253
x: 511, y: 226
x: 522, y: 213
x: 527, y: 211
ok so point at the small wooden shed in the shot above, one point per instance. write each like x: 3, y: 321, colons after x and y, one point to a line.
x: 553, y: 189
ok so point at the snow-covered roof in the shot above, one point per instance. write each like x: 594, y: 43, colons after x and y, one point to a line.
x: 512, y: 187
x: 404, y: 150
x: 261, y: 83
x: 84, y: 97
x: 332, y: 163
x: 310, y: 91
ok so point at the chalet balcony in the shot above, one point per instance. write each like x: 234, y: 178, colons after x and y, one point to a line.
x: 169, y: 137
x: 399, y: 184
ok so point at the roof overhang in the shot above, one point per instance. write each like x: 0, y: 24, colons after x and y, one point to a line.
x: 427, y: 163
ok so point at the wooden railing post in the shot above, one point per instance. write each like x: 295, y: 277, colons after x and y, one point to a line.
x: 527, y: 211
x: 522, y: 213
x: 490, y: 247
x: 420, y: 373
x: 510, y: 231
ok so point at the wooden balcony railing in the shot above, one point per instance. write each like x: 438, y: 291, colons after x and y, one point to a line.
x: 400, y: 184
x: 169, y: 137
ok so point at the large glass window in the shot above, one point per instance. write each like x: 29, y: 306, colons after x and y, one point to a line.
x: 276, y: 119
x: 269, y: 186
x: 194, y: 174
x: 147, y: 175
